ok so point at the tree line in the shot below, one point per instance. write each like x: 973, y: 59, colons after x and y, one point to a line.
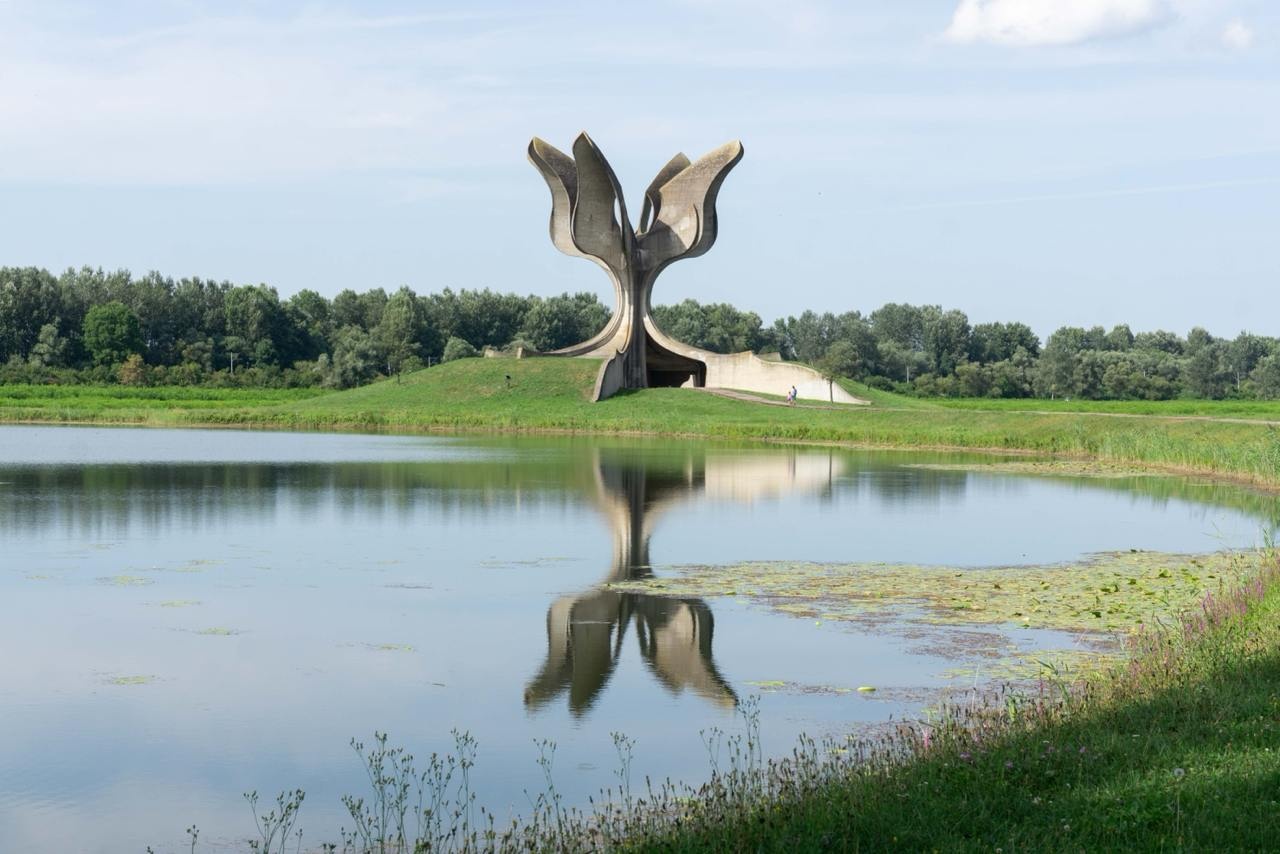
x: 88, y: 325
x: 928, y: 351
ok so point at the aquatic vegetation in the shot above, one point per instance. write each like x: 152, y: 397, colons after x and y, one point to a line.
x: 1108, y: 592
x: 390, y: 647
x: 219, y: 631
x: 178, y: 603
x: 129, y: 680
x: 1062, y: 468
x: 534, y: 562
x: 1056, y: 664
x: 770, y: 686
x: 125, y: 580
x: 1172, y: 749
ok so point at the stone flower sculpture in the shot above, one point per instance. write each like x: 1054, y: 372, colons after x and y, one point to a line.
x: 677, y: 220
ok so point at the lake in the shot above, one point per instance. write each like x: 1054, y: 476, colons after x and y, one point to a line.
x: 189, y: 615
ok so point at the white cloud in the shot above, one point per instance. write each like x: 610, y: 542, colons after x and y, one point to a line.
x: 1052, y: 22
x: 1237, y: 35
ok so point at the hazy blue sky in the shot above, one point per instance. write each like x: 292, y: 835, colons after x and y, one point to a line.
x: 1086, y: 162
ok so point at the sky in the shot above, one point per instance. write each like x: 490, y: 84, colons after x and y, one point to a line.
x: 1081, y: 163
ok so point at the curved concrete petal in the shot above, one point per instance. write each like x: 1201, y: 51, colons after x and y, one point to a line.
x: 687, y: 202
x: 651, y: 201
x: 596, y: 230
x: 561, y: 175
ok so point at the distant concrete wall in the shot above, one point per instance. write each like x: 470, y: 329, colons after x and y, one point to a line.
x: 748, y: 372
x: 610, y: 378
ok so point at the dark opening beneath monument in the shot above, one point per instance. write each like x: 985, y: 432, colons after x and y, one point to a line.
x: 671, y: 370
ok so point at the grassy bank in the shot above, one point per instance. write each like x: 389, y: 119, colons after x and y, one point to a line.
x: 1265, y: 410
x: 1178, y: 749
x: 553, y: 395
x: 131, y: 404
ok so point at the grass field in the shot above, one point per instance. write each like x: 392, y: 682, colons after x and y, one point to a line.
x: 1254, y: 409
x: 553, y: 395
x: 1177, y: 749
x: 130, y: 403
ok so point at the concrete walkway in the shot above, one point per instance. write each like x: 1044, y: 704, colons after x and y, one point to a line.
x: 748, y: 397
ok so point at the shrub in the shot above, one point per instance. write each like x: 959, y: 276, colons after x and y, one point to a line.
x: 456, y: 348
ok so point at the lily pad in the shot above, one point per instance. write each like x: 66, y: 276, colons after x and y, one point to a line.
x: 1102, y: 593
x: 125, y: 580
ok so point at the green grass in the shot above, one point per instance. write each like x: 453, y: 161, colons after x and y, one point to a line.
x: 130, y: 403
x: 1254, y: 409
x: 553, y: 395
x: 1178, y: 749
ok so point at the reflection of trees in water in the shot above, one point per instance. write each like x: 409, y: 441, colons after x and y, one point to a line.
x: 908, y: 487
x: 102, y: 499
x: 115, y: 498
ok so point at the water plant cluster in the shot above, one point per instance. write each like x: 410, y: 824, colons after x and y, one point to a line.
x: 1102, y: 593
x: 1177, y: 747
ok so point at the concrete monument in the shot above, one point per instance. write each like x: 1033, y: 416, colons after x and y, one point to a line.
x: 677, y: 220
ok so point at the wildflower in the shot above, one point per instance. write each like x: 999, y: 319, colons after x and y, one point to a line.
x: 1008, y: 763
x: 1179, y: 773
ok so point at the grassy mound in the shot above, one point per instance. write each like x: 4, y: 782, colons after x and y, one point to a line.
x: 553, y: 395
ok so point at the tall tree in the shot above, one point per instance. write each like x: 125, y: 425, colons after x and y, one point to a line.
x: 564, y: 320
x: 400, y: 331
x: 255, y: 317
x: 112, y: 333
x: 946, y: 339
x: 900, y: 324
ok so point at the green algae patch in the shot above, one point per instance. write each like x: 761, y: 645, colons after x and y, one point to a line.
x: 390, y: 647
x: 199, y: 565
x: 1063, y: 665
x: 773, y: 686
x: 127, y: 681
x: 125, y: 580
x: 218, y: 631
x: 1106, y: 593
x: 1059, y: 468
x: 178, y: 603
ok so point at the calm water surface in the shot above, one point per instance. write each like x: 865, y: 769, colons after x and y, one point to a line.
x: 188, y: 615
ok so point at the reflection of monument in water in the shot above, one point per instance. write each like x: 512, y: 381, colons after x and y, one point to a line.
x: 586, y: 632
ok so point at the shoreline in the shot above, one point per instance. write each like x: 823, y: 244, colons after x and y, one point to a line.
x: 409, y: 428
